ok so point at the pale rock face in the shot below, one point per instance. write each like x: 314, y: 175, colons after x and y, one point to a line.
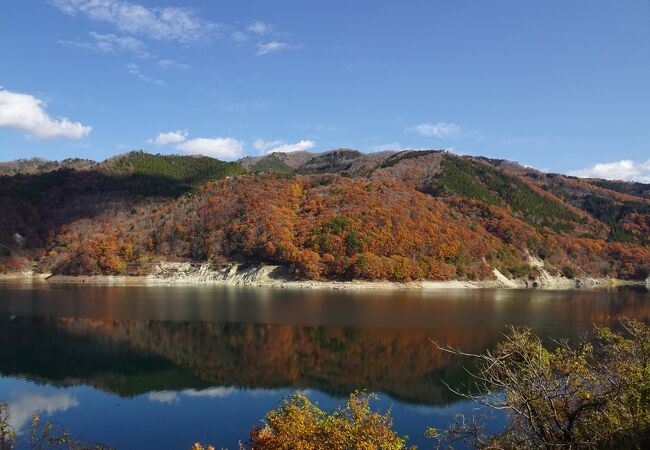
x: 258, y: 275
x: 546, y: 279
x: 191, y: 273
x: 502, y: 278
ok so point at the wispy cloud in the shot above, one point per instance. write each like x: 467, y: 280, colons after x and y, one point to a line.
x: 272, y: 47
x: 27, y: 113
x: 111, y: 43
x: 256, y: 28
x: 262, y: 146
x: 274, y: 42
x: 121, y: 44
x: 134, y: 69
x: 268, y: 147
x: 169, y: 23
x: 184, y: 25
x: 626, y: 170
x: 439, y: 130
x: 260, y: 28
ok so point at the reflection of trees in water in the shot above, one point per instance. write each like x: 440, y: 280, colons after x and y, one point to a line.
x: 45, y: 350
x: 131, y: 357
x: 136, y: 356
x: 334, y: 359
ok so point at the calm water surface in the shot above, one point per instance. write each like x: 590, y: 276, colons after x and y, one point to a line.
x: 163, y: 367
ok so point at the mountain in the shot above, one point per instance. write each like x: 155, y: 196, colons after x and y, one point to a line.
x: 347, y: 161
x: 282, y: 162
x: 338, y: 215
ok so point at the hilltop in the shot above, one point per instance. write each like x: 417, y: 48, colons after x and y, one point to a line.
x: 338, y: 215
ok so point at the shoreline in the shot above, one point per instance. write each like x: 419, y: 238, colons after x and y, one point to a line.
x: 191, y: 274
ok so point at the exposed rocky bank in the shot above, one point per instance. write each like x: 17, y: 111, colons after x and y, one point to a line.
x: 258, y: 275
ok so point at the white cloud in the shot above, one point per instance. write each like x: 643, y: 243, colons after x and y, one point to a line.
x: 134, y: 69
x: 272, y: 47
x: 225, y: 148
x: 300, y: 146
x: 168, y: 23
x: 438, y: 130
x: 260, y: 28
x: 171, y: 137
x: 26, y: 112
x: 109, y: 42
x: 22, y: 408
x: 626, y: 170
x: 268, y: 147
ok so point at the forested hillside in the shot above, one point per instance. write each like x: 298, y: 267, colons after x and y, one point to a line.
x: 337, y: 215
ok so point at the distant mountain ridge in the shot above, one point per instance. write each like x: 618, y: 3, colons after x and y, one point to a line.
x: 40, y: 165
x: 284, y: 161
x: 340, y: 214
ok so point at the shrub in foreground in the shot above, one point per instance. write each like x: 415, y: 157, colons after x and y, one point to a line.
x: 297, y: 423
x: 593, y: 395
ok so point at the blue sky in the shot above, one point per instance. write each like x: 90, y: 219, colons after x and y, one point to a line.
x: 558, y: 85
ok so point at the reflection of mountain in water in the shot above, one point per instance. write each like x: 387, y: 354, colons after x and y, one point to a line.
x: 132, y: 357
x: 54, y: 350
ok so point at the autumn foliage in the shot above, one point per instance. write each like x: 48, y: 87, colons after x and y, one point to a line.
x: 297, y: 423
x: 416, y: 215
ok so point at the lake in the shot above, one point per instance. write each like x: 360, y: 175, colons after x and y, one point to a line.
x: 163, y: 367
